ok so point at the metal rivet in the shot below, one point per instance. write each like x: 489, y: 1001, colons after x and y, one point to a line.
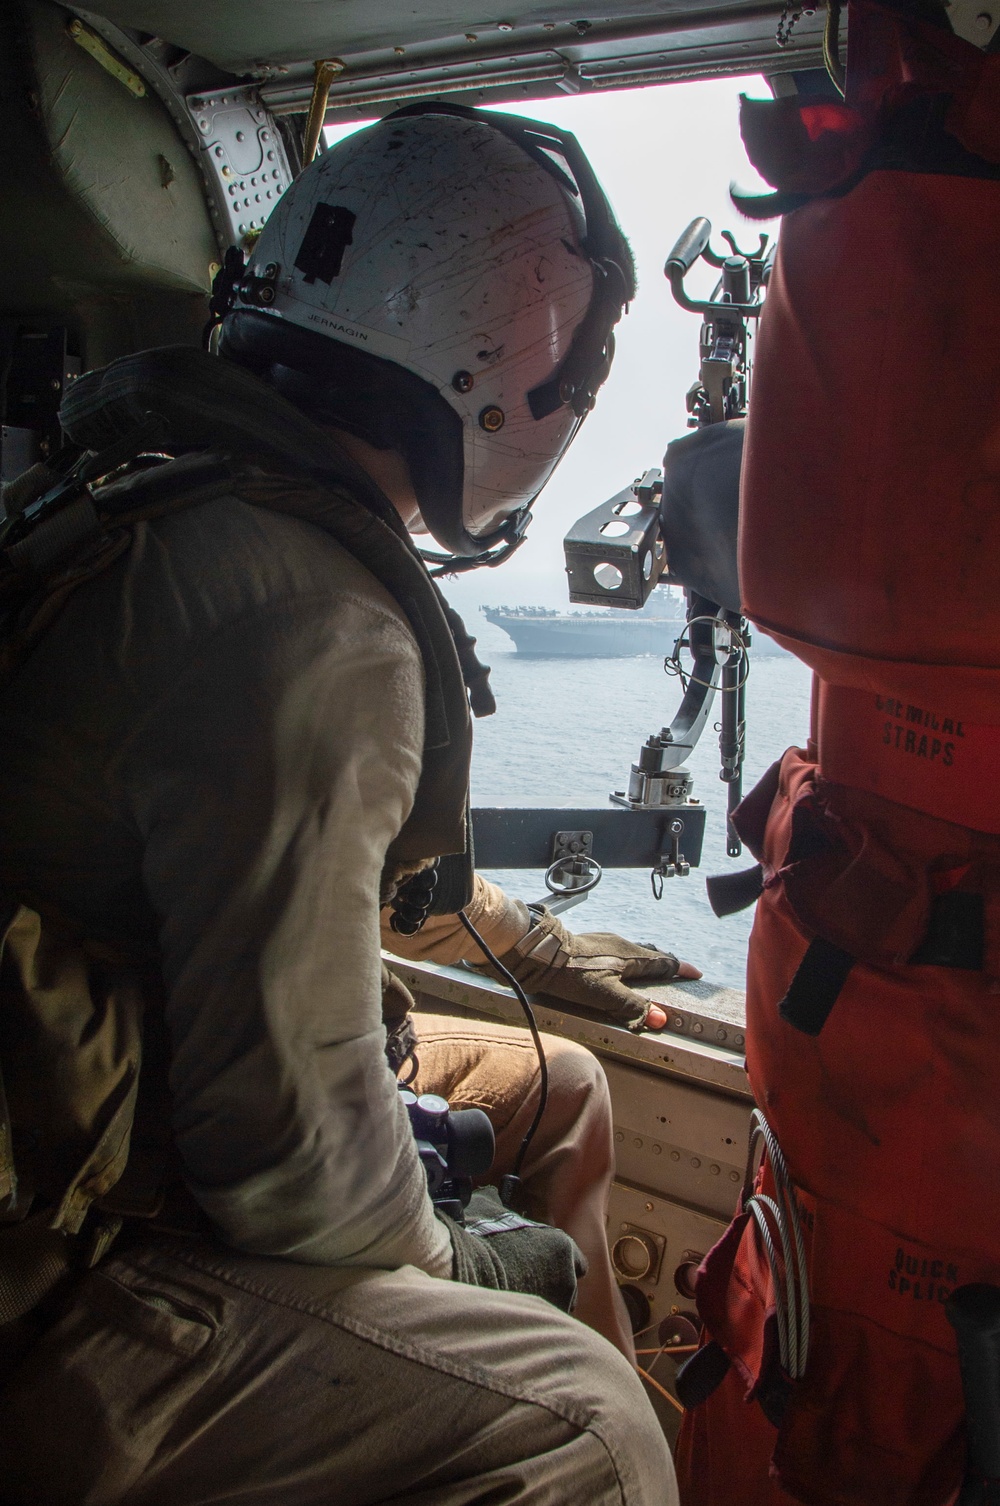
x: 675, y: 1155
x: 678, y: 1022
x: 738, y: 1040
x: 240, y: 136
x: 649, y: 1207
x: 734, y: 1176
x: 399, y: 51
x: 714, y: 1170
x: 695, y: 1162
x: 470, y: 36
x: 619, y: 1135
x: 697, y: 1028
x: 505, y: 26
x: 637, y: 1143
x: 491, y: 419
x: 462, y: 381
x: 566, y: 392
x: 720, y: 1035
x: 657, y: 1149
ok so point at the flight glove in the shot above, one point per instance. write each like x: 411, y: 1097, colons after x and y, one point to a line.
x: 499, y: 1249
x: 591, y: 969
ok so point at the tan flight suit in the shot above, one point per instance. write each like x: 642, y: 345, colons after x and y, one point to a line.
x: 209, y: 752
x: 568, y: 1169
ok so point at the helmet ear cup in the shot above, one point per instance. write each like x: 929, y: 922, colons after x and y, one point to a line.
x: 380, y: 401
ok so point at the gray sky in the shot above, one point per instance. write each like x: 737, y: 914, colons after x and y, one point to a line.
x: 664, y: 155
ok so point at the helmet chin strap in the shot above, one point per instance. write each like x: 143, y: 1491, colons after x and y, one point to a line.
x: 499, y: 546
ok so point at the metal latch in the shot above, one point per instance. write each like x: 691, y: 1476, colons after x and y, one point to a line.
x: 672, y: 864
x: 574, y: 870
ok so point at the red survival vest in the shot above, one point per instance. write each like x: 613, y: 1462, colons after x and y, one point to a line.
x: 870, y: 546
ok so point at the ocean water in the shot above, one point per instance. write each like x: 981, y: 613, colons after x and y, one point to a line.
x: 566, y: 733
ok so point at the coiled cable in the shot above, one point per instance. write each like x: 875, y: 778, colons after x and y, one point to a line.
x: 779, y: 1221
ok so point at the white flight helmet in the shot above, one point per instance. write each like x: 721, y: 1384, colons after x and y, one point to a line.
x: 444, y: 282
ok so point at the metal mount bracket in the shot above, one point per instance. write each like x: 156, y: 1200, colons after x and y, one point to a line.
x: 672, y: 864
x: 573, y: 872
x: 243, y: 157
x: 975, y: 21
x: 615, y: 555
x: 572, y: 844
x: 525, y: 837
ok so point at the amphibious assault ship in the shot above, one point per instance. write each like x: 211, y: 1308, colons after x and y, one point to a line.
x: 603, y: 634
x: 543, y: 632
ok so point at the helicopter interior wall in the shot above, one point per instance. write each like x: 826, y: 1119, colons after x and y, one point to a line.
x: 106, y: 227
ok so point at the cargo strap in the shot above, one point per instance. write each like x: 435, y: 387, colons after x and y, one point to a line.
x: 857, y: 896
x: 34, y: 1258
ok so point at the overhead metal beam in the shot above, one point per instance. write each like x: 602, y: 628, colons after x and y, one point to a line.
x: 684, y: 43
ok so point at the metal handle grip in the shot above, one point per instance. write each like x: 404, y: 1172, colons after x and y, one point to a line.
x: 689, y: 246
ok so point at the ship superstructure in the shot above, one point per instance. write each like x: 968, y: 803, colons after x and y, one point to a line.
x: 543, y: 632
x: 601, y: 634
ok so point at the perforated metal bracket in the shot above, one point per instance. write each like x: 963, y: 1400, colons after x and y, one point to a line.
x: 615, y: 555
x: 243, y: 156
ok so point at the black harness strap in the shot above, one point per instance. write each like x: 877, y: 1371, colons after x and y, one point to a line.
x: 730, y: 892
x: 814, y: 990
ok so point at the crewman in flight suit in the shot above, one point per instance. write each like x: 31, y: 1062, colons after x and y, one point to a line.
x: 241, y: 732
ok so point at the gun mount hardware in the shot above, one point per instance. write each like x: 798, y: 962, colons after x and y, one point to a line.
x: 615, y: 555
x: 573, y: 847
x: 722, y: 388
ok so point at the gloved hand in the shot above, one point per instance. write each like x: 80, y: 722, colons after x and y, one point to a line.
x: 592, y: 969
x: 502, y: 1250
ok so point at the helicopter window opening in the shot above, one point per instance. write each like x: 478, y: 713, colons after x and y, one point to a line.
x: 569, y: 725
x: 608, y: 576
x: 647, y: 564
x: 615, y: 529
